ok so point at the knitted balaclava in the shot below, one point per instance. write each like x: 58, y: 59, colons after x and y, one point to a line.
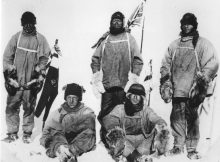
x: 113, y: 30
x: 28, y: 21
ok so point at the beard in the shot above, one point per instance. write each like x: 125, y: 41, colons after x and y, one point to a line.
x: 116, y: 31
x: 29, y: 29
x: 130, y: 108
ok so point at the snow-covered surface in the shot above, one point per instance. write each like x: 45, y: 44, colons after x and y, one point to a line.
x: 78, y: 25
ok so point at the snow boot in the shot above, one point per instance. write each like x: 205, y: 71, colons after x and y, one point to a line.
x: 26, y: 138
x: 194, y: 155
x: 10, y: 138
x: 175, y: 151
x: 72, y: 159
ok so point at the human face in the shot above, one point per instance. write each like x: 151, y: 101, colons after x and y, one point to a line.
x: 117, y: 23
x: 29, y: 28
x: 72, y: 100
x: 187, y: 28
x: 135, y: 99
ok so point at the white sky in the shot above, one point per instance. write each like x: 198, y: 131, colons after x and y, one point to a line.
x: 79, y: 23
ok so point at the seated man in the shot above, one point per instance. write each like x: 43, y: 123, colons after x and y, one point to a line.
x: 70, y: 130
x: 134, y: 130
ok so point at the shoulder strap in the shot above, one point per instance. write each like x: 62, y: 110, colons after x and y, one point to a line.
x: 196, y: 54
x: 26, y: 49
x: 118, y: 41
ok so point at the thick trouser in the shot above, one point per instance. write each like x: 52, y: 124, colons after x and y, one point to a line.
x: 184, y: 124
x: 110, y: 99
x: 82, y: 143
x: 140, y: 143
x: 13, y: 108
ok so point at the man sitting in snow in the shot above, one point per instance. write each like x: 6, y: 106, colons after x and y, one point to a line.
x: 70, y: 131
x: 134, y: 130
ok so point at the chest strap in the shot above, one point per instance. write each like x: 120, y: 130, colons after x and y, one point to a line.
x: 26, y: 49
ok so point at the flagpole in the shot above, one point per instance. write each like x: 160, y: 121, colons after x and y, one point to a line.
x: 142, y: 36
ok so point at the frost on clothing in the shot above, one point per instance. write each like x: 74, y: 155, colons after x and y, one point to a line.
x: 139, y: 128
x: 24, y: 62
x: 72, y: 127
x: 113, y: 59
x: 180, y: 63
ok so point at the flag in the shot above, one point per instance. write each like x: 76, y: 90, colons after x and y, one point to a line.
x: 137, y: 16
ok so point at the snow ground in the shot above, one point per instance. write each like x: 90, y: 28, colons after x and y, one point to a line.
x: 77, y: 25
x: 20, y: 152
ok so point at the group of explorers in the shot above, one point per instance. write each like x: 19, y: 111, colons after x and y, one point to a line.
x: 130, y: 130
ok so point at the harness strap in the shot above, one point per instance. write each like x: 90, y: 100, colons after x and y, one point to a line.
x: 196, y: 54
x: 26, y: 49
x: 118, y: 41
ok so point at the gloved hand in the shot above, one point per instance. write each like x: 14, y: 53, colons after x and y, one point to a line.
x: 97, y: 85
x: 198, y: 91
x: 132, y: 78
x: 160, y: 127
x: 166, y: 91
x: 145, y: 158
x: 161, y: 141
x: 11, y: 83
x: 63, y: 153
x: 116, y: 139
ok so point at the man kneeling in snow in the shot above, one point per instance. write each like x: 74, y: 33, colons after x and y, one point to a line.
x: 70, y: 131
x: 134, y: 130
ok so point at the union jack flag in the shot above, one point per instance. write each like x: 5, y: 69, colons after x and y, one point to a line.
x: 137, y: 16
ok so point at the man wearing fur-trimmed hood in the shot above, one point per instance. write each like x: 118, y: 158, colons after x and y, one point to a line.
x: 188, y: 66
x: 134, y: 130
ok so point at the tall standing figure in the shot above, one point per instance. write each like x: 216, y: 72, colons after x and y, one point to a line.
x: 188, y: 66
x: 24, y: 61
x: 114, y: 57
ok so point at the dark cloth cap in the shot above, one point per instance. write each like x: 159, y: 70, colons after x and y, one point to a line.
x: 74, y: 89
x: 28, y: 18
x: 137, y: 89
x: 118, y: 15
x: 190, y: 19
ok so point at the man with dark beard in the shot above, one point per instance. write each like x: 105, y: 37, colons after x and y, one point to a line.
x: 24, y: 62
x: 115, y: 56
x: 189, y: 64
x: 134, y: 130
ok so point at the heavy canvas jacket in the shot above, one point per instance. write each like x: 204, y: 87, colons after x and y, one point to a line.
x: 65, y: 124
x: 141, y: 123
x: 116, y: 59
x: 25, y: 52
x: 181, y: 64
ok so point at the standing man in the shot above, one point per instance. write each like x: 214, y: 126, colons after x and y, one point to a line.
x: 114, y: 57
x: 24, y: 62
x: 70, y: 131
x: 190, y: 60
x: 134, y: 130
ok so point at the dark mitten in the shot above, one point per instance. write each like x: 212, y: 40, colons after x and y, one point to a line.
x: 166, y: 89
x: 198, y: 92
x: 134, y: 156
x: 36, y: 83
x: 11, y: 83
